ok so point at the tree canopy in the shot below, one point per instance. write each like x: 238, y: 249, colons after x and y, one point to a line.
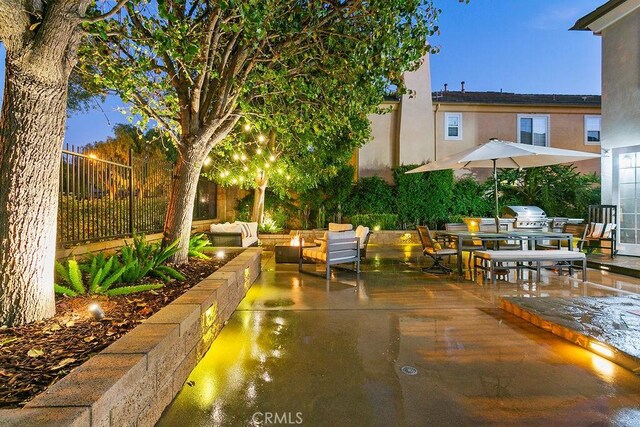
x: 195, y: 68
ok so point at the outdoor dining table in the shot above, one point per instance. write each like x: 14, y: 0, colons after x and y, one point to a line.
x: 529, y: 236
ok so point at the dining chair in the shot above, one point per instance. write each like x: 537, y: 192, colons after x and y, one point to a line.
x: 434, y: 250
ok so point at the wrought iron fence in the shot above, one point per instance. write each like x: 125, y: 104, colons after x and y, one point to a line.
x: 103, y: 199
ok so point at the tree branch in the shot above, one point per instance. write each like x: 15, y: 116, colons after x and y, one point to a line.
x: 107, y: 15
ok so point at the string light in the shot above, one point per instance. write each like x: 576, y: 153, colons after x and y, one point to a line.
x: 207, y: 161
x: 243, y: 157
x: 261, y: 138
x: 235, y: 156
x: 247, y: 127
x: 272, y: 158
x: 267, y: 165
x: 259, y: 151
x: 245, y: 168
x: 234, y: 181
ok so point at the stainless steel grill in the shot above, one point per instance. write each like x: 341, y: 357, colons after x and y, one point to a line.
x: 529, y: 217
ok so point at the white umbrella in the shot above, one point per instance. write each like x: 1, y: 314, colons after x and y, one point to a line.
x: 505, y: 155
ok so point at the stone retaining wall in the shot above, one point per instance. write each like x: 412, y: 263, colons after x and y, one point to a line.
x: 135, y: 378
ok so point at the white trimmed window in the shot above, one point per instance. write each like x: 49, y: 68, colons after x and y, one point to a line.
x: 453, y: 126
x: 592, y: 130
x: 533, y: 129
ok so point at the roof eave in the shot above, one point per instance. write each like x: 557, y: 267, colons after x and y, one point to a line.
x: 605, y: 15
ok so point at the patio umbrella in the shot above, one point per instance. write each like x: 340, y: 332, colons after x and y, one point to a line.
x: 504, y: 154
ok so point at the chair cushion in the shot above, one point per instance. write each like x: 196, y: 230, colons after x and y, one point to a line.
x: 551, y: 255
x: 248, y: 241
x: 362, y: 233
x: 315, y: 254
x: 333, y: 226
x: 225, y: 228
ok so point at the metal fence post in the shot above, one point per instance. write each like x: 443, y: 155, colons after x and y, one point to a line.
x: 131, y: 197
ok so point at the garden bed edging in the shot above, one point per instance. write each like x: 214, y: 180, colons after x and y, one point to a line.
x: 136, y: 377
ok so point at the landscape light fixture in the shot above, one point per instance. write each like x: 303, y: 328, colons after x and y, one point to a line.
x: 96, y: 311
x: 220, y: 254
x: 601, y: 349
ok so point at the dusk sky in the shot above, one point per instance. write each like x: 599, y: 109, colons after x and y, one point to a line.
x: 517, y: 46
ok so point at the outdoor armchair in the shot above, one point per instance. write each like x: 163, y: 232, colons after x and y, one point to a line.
x: 337, y: 247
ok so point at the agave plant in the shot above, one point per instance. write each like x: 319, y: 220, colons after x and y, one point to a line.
x: 196, y: 244
x: 144, y: 258
x: 100, y: 277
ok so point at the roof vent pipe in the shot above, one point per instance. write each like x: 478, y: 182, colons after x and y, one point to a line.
x: 462, y: 85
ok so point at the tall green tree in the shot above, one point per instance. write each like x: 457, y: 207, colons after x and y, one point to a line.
x: 195, y: 68
x: 41, y: 39
x: 297, y: 158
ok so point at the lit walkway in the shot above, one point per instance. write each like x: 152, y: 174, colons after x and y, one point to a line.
x: 333, y: 354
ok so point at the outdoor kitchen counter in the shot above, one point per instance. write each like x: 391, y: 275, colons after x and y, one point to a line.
x: 530, y: 236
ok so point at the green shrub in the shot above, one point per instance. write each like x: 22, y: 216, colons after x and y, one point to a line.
x: 332, y: 193
x: 269, y: 225
x: 376, y: 221
x: 370, y: 196
x: 469, y: 199
x: 559, y: 190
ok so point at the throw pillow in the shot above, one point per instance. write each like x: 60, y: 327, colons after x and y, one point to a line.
x: 608, y: 230
x: 595, y: 230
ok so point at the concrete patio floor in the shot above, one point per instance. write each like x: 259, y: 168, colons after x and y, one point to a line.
x: 300, y: 348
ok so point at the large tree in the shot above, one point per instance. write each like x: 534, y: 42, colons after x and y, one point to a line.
x: 41, y: 39
x: 193, y: 67
x: 286, y: 148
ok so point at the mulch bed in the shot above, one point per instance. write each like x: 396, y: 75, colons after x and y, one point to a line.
x: 35, y: 356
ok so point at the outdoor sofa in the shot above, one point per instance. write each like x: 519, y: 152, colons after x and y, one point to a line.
x: 236, y: 234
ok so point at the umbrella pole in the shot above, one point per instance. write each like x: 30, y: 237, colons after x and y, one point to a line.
x: 495, y: 194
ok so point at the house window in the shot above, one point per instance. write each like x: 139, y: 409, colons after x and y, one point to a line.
x: 592, y: 130
x: 533, y: 130
x: 453, y: 126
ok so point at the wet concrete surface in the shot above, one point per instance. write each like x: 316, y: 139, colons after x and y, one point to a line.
x: 332, y: 353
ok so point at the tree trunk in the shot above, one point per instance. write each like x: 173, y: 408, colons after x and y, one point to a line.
x: 177, y: 225
x: 257, y: 214
x: 32, y: 125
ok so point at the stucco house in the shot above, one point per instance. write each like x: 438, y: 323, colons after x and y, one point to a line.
x: 617, y: 22
x: 430, y: 125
